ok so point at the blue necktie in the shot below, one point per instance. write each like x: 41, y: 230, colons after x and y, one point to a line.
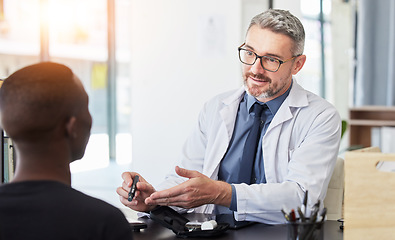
x: 251, y: 146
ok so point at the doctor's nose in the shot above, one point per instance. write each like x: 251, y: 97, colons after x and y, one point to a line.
x: 257, y: 66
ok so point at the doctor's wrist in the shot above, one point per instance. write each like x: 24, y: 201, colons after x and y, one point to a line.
x: 223, y: 193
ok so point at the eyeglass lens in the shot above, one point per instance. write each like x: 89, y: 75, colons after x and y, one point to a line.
x: 249, y: 57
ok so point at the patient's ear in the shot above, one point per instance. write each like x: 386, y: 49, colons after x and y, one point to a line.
x: 71, y: 127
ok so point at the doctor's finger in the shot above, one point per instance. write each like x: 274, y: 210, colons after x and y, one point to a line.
x: 126, y: 176
x: 122, y: 193
x: 187, y: 173
x: 183, y: 201
x: 125, y: 202
x: 168, y: 193
x: 160, y: 201
x: 126, y: 186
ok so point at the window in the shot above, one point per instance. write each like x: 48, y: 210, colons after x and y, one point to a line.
x: 74, y: 32
x: 318, y: 67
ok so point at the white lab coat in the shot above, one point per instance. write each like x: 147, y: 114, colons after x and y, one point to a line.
x: 300, y: 149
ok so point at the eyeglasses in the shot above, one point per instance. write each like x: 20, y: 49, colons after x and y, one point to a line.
x: 270, y: 64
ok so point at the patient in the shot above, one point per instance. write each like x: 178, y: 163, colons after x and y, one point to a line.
x: 44, y: 110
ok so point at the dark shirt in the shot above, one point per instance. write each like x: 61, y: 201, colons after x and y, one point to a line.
x: 52, y: 210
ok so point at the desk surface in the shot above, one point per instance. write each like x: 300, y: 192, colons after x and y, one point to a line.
x: 252, y: 232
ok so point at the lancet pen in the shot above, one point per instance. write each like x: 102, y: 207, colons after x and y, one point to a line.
x: 133, y: 188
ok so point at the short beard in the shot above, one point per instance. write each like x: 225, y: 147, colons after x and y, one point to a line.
x: 255, y: 91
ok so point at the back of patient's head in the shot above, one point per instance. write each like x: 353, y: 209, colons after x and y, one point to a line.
x: 36, y: 99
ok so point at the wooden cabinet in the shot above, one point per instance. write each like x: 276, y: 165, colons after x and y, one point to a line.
x: 362, y: 119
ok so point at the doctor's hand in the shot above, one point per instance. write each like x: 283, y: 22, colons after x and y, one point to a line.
x: 143, y: 190
x: 196, y: 191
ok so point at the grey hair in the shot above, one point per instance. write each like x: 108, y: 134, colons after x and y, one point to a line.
x: 283, y: 22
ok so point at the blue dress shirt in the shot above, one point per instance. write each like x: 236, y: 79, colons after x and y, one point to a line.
x: 244, y: 121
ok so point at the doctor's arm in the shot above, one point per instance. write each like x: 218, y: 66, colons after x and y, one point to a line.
x: 196, y: 191
x: 308, y: 166
x: 193, y: 184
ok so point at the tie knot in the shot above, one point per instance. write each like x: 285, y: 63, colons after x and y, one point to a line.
x: 257, y: 109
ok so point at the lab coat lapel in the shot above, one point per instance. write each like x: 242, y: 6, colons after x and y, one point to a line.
x: 297, y: 98
x: 229, y: 111
x: 228, y: 118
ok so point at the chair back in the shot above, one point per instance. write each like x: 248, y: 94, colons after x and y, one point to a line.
x: 334, y: 196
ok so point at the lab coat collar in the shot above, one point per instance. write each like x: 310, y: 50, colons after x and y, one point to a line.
x: 235, y: 97
x: 297, y: 98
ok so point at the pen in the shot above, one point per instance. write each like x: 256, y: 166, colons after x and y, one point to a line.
x: 301, y: 215
x: 285, y: 215
x: 323, y: 214
x: 292, y: 216
x: 304, y: 205
x: 133, y: 188
x: 316, y: 207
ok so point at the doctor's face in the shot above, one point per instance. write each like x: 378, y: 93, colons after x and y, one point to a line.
x: 260, y: 83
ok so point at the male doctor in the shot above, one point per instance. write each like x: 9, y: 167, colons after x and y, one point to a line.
x: 297, y: 142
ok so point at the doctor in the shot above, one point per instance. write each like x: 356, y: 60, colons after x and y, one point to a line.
x: 297, y: 145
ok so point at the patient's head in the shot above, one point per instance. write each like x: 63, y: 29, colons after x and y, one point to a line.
x: 46, y: 102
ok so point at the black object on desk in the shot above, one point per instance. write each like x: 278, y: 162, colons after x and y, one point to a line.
x: 137, y: 226
x: 233, y: 224
x: 173, y: 220
x: 257, y: 231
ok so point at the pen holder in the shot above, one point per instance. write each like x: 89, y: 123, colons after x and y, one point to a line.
x: 306, y: 230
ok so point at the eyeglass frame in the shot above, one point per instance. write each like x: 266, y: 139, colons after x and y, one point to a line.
x: 280, y: 62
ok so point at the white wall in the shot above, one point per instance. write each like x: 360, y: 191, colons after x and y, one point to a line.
x: 342, y: 49
x: 342, y: 45
x: 292, y: 6
x: 183, y: 53
x: 179, y: 61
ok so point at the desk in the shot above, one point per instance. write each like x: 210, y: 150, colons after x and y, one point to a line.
x: 252, y: 232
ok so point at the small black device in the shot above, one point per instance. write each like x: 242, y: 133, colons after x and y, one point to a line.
x: 137, y: 226
x: 133, y: 188
x: 173, y: 220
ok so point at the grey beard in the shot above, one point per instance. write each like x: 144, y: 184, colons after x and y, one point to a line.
x: 266, y: 94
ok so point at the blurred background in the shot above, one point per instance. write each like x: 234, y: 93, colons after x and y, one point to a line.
x: 149, y: 66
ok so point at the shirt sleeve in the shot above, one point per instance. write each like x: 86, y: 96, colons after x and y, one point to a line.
x: 233, y: 203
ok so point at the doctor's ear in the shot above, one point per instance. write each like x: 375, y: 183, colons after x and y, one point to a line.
x: 71, y: 127
x: 298, y: 64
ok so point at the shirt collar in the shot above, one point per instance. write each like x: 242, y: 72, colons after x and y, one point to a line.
x: 273, y: 105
